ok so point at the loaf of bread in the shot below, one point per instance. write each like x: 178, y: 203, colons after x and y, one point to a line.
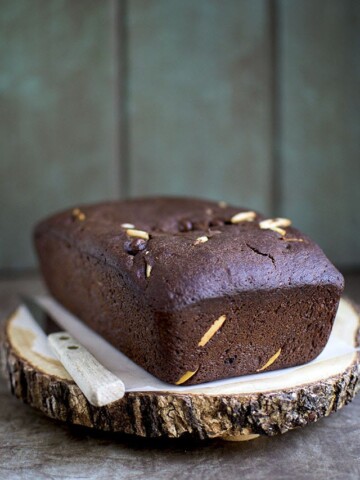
x: 192, y: 290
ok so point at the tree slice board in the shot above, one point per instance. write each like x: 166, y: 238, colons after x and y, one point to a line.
x: 237, y: 412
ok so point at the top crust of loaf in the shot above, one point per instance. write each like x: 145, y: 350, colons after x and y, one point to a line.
x: 179, y: 251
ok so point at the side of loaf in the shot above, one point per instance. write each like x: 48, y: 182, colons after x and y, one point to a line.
x: 192, y: 290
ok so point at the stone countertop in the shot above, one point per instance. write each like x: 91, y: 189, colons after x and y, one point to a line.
x: 35, y: 447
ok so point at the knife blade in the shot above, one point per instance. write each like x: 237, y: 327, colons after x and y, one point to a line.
x: 99, y: 385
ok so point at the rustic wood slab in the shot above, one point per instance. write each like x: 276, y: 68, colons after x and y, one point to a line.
x: 44, y: 384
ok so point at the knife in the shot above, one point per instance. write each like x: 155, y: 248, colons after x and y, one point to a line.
x: 98, y: 384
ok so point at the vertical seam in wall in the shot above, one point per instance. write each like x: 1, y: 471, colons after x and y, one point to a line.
x: 275, y: 116
x: 123, y: 118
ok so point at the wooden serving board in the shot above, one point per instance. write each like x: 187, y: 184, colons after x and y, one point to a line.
x: 236, y: 412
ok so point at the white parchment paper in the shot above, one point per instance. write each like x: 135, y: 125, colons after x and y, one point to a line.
x: 336, y: 355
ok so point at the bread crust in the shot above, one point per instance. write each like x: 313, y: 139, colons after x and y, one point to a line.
x: 155, y: 296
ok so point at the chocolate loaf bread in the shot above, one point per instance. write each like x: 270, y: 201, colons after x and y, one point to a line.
x: 192, y: 290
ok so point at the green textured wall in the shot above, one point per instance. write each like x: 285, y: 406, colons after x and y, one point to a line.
x: 251, y: 101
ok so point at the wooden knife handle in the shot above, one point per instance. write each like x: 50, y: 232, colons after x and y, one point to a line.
x: 98, y: 384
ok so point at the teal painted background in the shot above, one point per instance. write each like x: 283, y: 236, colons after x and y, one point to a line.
x: 254, y: 102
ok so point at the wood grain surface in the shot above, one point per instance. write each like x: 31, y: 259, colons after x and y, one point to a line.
x: 200, y: 99
x: 252, y: 101
x: 320, y: 127
x: 34, y: 447
x: 58, y: 114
